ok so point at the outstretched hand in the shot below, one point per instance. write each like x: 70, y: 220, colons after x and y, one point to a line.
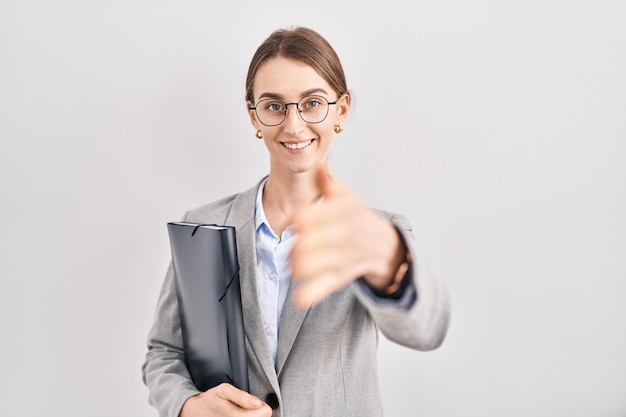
x: 338, y: 241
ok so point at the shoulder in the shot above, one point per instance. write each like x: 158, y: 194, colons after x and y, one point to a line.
x: 218, y: 208
x: 218, y: 211
x: 399, y: 220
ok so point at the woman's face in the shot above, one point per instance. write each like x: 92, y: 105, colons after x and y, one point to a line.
x: 296, y: 146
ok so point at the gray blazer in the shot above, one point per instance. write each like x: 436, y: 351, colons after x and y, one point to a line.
x: 326, y: 360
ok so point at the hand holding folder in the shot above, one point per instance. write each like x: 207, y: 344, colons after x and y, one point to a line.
x: 206, y: 272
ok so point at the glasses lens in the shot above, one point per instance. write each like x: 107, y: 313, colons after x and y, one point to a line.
x: 271, y: 112
x: 313, y: 109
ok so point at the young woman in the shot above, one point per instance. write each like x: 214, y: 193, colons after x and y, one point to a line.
x: 320, y: 272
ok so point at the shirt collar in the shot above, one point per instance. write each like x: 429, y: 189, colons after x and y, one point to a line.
x: 259, y: 216
x: 259, y: 213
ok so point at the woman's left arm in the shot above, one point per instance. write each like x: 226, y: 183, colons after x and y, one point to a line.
x: 340, y: 240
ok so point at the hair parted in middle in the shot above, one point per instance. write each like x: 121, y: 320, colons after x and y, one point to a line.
x: 304, y: 45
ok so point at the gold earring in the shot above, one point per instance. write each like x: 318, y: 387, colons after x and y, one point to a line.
x: 258, y: 134
x: 338, y: 128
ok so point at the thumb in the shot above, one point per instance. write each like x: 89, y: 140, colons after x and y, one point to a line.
x: 237, y: 396
x: 323, y: 181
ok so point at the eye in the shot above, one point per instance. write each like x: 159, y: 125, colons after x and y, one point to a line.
x: 311, y: 103
x: 274, y: 106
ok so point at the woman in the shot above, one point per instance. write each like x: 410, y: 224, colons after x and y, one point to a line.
x: 320, y: 272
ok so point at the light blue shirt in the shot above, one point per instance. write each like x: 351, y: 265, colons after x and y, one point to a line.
x: 273, y: 272
x: 274, y: 275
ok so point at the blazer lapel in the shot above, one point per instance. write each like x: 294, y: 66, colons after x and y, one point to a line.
x: 242, y: 217
x: 290, y: 323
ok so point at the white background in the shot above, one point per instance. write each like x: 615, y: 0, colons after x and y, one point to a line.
x: 498, y: 128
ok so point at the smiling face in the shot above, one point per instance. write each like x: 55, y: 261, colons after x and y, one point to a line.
x: 296, y: 146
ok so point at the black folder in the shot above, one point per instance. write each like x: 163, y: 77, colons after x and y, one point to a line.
x: 206, y: 273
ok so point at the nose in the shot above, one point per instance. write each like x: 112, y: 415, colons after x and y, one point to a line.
x: 293, y: 123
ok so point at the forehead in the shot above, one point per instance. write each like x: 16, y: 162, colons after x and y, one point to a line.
x: 287, y: 78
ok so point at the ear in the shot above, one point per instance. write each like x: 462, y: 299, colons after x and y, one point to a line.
x: 252, y: 116
x: 343, y: 108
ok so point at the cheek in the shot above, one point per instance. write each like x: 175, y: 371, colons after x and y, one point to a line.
x: 269, y: 133
x: 325, y: 129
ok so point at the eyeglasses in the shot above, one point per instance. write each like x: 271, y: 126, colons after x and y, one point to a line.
x: 272, y: 111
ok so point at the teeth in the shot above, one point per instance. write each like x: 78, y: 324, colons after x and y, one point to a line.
x: 299, y: 145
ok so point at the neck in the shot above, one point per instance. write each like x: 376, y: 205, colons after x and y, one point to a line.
x: 290, y: 195
x: 282, y: 199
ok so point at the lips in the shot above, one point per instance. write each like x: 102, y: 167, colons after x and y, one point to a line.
x: 295, y: 146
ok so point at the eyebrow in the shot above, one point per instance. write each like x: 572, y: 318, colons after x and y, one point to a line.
x: 304, y: 94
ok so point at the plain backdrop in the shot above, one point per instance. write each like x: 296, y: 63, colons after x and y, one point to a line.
x: 497, y: 127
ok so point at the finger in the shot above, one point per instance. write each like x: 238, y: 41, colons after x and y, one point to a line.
x: 242, y: 398
x: 312, y: 292
x: 315, y: 237
x: 322, y: 180
x: 316, y: 244
x: 308, y: 263
x: 327, y: 186
x: 335, y: 211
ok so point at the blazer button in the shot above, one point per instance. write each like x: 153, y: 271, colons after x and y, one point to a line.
x: 272, y: 400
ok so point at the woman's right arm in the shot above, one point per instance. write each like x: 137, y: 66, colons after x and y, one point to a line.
x: 165, y: 373
x: 164, y: 370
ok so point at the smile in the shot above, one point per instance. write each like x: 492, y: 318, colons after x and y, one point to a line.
x: 299, y: 145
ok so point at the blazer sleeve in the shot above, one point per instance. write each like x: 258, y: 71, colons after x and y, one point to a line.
x: 424, y: 324
x: 164, y: 370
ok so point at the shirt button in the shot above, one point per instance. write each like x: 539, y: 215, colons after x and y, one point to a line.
x: 268, y: 331
x: 273, y: 276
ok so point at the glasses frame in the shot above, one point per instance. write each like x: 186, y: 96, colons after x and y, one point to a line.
x: 295, y: 103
